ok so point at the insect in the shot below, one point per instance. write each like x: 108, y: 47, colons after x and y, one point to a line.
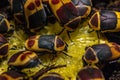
x: 12, y: 75
x: 105, y: 21
x: 101, y: 53
x: 49, y: 43
x: 4, y: 24
x: 23, y: 59
x: 83, y: 6
x: 66, y: 14
x: 35, y: 15
x: 29, y: 13
x: 90, y: 73
x: 4, y: 46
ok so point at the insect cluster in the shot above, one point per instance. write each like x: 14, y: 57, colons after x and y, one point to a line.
x: 34, y: 15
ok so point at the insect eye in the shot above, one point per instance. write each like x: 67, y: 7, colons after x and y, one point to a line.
x: 37, y: 3
x: 31, y: 6
x: 55, y: 1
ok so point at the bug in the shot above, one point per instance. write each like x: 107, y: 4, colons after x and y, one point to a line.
x: 23, y: 59
x: 29, y: 13
x: 4, y: 46
x: 105, y: 21
x: 101, y: 53
x: 66, y: 14
x: 90, y: 73
x: 12, y: 75
x: 35, y: 15
x: 49, y: 43
x: 83, y: 6
x: 4, y: 24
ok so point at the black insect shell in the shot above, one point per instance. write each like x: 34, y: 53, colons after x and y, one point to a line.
x: 102, y: 52
x: 105, y: 21
x: 51, y: 43
x: 98, y: 53
x: 23, y: 59
x: 4, y: 46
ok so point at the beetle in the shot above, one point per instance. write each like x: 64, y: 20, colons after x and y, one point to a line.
x: 90, y: 73
x: 101, y: 53
x: 4, y: 24
x: 66, y: 14
x: 105, y: 21
x: 23, y: 59
x: 83, y: 6
x: 17, y: 10
x: 12, y: 75
x: 70, y: 18
x: 35, y: 15
x: 49, y: 43
x: 4, y: 47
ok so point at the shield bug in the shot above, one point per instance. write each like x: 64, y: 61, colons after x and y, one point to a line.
x: 4, y: 24
x: 105, y: 21
x: 23, y: 59
x: 4, y: 46
x: 35, y: 15
x: 83, y: 6
x: 101, y: 53
x: 49, y: 43
x: 12, y: 75
x: 90, y: 73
